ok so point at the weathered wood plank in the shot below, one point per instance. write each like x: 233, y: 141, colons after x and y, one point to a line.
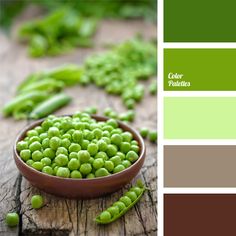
x: 72, y: 217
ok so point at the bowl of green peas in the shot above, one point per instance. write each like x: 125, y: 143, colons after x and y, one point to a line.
x: 79, y: 156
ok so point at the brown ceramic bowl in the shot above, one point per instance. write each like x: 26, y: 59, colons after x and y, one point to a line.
x: 80, y: 188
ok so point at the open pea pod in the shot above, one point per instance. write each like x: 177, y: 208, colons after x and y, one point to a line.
x: 142, y: 188
x: 46, y: 84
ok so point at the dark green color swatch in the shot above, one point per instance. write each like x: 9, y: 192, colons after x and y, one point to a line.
x: 199, y: 21
x: 201, y: 69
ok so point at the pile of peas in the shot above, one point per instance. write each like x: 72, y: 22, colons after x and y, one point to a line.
x: 120, y: 207
x: 118, y: 71
x: 78, y: 147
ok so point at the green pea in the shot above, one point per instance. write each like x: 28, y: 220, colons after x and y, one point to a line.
x: 152, y: 136
x: 46, y: 161
x: 88, y: 135
x: 134, y: 148
x: 39, y: 129
x: 137, y: 190
x: 112, y: 122
x: 48, y: 170
x: 144, y: 132
x: 84, y: 144
x: 126, y: 200
x: 107, y: 128
x: 25, y: 155
x: 73, y: 164
x: 102, y: 155
x: 121, y: 155
x: 98, y: 163
x: 113, y: 210
x: 116, y: 139
x: 84, y: 156
x: 45, y: 143
x: 65, y: 142
x: 53, y: 132
x: 120, y: 205
x: 63, y: 172
x: 97, y: 133
x: 21, y: 146
x: 109, y: 165
x: 132, y: 156
x: 85, y: 168
x: 35, y: 146
x: 127, y: 136
x: 62, y: 150
x: 101, y: 172
x: 126, y: 163
x: 29, y: 162
x: 118, y: 168
x: 37, y: 155
x: 105, y: 216
x: 74, y: 147
x: 125, y: 147
x: 130, y: 103
x: 55, y: 143
x: 92, y: 149
x: 90, y: 176
x: 106, y: 139
x: 132, y: 195
x: 67, y: 136
x: 47, y: 124
x: 37, y: 165
x: 61, y: 160
x: 116, y: 160
x: 106, y: 134
x: 134, y: 142
x: 32, y: 133
x: 74, y: 155
x: 34, y: 139
x: 42, y: 136
x: 12, y: 219
x: 77, y: 136
x: 79, y: 126
x: 75, y: 174
x: 111, y: 150
x: 48, y: 152
x: 91, y: 160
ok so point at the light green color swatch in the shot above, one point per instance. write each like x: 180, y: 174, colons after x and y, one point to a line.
x: 200, y: 117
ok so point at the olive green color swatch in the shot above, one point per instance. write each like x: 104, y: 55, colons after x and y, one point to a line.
x: 199, y: 117
x: 199, y: 69
x: 199, y: 21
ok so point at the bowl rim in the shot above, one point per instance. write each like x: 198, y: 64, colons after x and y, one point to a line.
x: 22, y: 132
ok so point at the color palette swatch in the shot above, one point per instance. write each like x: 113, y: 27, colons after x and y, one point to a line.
x: 201, y: 166
x: 199, y: 214
x: 199, y: 21
x: 199, y: 69
x: 199, y: 117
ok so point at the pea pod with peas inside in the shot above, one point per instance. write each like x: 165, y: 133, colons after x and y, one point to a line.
x: 34, y: 96
x: 120, y: 207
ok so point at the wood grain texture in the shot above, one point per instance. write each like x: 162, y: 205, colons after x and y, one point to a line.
x: 73, y: 217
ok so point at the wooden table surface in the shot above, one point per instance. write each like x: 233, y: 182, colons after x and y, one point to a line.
x: 62, y: 216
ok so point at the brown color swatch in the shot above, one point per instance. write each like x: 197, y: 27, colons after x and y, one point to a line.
x: 199, y: 215
x: 200, y: 166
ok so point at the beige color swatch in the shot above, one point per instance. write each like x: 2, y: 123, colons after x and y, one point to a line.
x: 200, y: 166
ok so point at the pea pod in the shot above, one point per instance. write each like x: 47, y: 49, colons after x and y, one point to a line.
x: 124, y: 204
x: 50, y: 105
x: 48, y: 85
x: 35, y: 96
x: 69, y: 74
x: 32, y: 78
x: 23, y: 110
